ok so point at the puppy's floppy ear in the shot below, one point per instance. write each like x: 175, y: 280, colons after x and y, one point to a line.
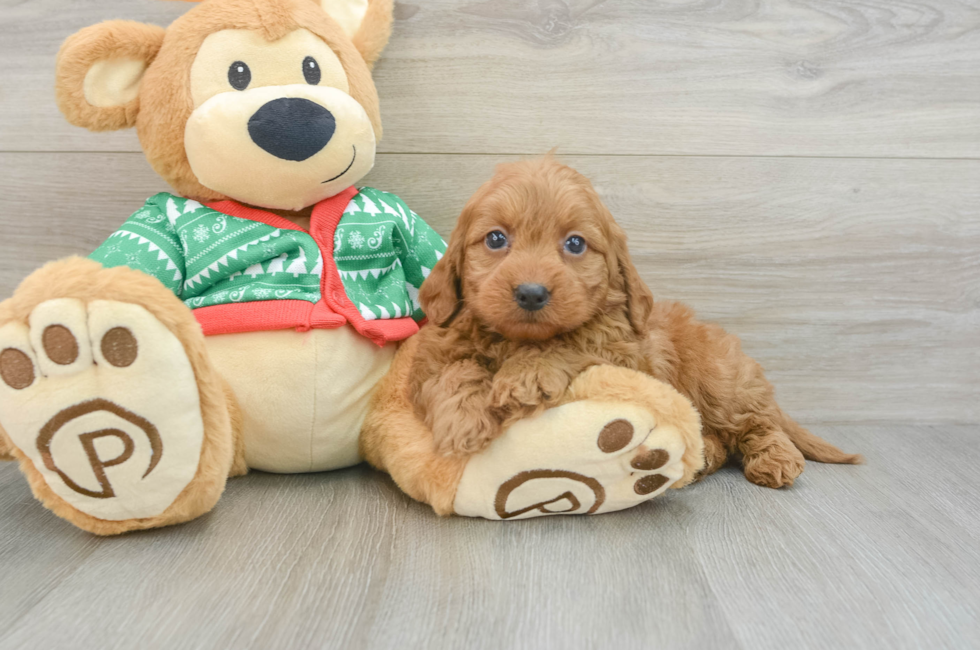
x: 366, y: 22
x: 99, y: 70
x: 625, y: 278
x: 441, y: 294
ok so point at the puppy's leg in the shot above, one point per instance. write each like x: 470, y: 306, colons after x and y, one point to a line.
x: 769, y: 458
x: 747, y: 409
x: 395, y: 441
x: 529, y: 378
x: 736, y: 401
x: 457, y: 409
x: 772, y: 445
x: 527, y: 383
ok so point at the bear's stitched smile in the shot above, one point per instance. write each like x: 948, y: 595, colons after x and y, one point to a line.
x: 354, y: 147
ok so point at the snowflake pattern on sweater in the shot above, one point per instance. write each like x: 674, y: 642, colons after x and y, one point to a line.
x: 382, y: 250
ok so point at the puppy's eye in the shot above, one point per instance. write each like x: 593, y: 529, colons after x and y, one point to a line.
x: 496, y: 240
x: 575, y: 245
x: 311, y: 71
x: 239, y: 76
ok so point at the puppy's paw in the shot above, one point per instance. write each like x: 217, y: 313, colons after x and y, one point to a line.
x: 774, y: 467
x: 543, y: 385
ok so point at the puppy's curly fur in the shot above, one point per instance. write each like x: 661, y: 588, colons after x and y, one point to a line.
x: 485, y: 362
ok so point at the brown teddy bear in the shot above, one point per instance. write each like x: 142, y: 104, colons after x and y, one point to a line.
x: 246, y: 321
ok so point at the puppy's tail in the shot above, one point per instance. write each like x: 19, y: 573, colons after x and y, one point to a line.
x: 815, y: 448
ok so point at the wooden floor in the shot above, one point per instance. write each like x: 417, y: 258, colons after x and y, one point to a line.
x: 805, y: 172
x: 881, y: 556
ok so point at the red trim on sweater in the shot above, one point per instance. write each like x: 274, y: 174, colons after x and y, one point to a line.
x: 268, y: 315
x: 323, y: 224
x: 236, y: 209
x: 334, y: 308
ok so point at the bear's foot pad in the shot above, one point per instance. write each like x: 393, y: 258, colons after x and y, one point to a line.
x: 581, y: 458
x: 103, y: 401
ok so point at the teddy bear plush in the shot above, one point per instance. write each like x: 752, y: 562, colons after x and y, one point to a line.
x: 251, y: 319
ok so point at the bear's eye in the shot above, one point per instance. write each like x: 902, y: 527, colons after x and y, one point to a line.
x: 311, y: 70
x: 575, y: 245
x: 239, y: 76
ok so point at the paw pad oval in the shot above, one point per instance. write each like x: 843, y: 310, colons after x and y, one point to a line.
x: 653, y: 459
x: 16, y: 369
x: 615, y: 435
x: 119, y: 347
x: 649, y: 484
x: 60, y: 344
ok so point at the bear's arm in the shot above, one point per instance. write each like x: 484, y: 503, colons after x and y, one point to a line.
x: 419, y: 248
x: 148, y: 242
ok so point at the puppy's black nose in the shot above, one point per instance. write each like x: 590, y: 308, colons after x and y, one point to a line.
x: 292, y: 128
x: 532, y: 297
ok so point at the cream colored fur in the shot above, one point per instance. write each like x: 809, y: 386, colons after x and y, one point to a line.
x: 305, y: 394
x: 113, y: 82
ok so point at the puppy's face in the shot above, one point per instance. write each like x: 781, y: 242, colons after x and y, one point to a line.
x: 534, y: 254
x: 535, y: 261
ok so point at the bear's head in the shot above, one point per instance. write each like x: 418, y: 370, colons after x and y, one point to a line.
x: 266, y: 102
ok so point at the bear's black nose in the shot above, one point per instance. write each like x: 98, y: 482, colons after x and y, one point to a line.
x: 292, y: 128
x: 532, y: 297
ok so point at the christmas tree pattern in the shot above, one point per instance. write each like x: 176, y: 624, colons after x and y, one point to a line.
x: 382, y: 249
x: 209, y: 258
x: 383, y: 252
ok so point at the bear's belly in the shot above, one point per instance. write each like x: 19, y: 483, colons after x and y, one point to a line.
x: 303, y: 395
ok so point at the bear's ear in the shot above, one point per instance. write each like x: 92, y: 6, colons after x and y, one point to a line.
x: 99, y: 71
x: 367, y: 22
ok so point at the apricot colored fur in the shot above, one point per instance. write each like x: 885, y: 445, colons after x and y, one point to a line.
x: 487, y: 363
x: 393, y: 440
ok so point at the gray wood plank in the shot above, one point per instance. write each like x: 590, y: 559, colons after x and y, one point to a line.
x: 854, y: 282
x: 855, y: 557
x: 49, y: 550
x: 850, y: 557
x: 343, y: 560
x: 806, y: 77
x: 535, y: 586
